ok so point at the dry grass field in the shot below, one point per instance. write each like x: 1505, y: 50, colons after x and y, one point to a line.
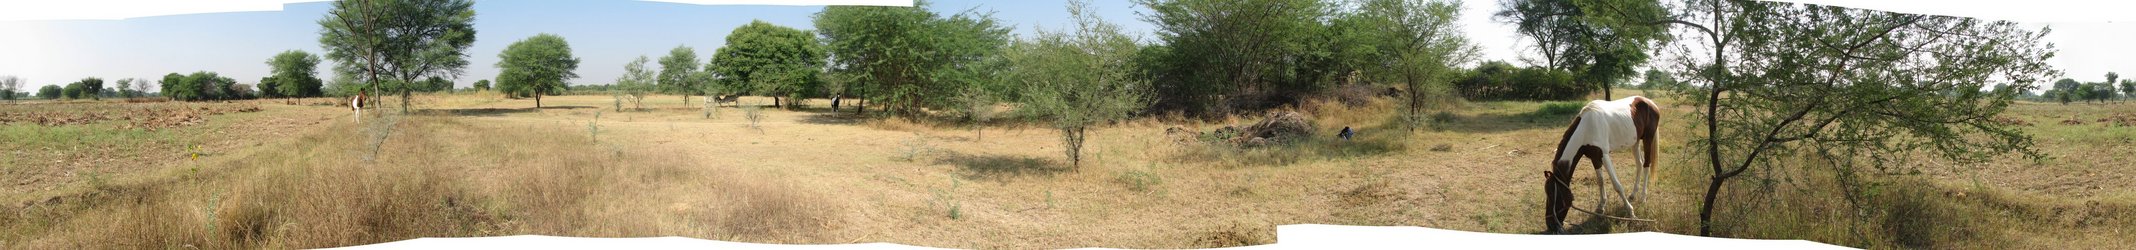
x: 294, y: 174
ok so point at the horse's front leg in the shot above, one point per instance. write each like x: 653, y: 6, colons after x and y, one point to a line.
x: 1611, y: 168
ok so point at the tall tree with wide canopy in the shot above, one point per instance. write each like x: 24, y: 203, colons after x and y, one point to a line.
x: 768, y: 59
x: 399, y: 41
x: 1859, y: 87
x: 903, y: 56
x: 537, y: 66
x: 295, y: 74
x: 678, y: 72
x: 1599, y: 41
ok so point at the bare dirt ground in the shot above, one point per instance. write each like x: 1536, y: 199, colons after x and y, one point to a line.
x: 815, y: 176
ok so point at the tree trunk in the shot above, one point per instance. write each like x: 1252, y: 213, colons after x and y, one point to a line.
x: 1705, y: 212
x: 775, y: 103
x: 404, y: 99
x: 537, y: 101
x: 685, y: 100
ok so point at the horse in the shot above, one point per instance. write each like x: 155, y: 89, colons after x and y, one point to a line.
x: 356, y: 104
x: 1602, y: 127
x: 735, y: 99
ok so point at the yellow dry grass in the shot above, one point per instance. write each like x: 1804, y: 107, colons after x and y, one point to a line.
x: 473, y: 164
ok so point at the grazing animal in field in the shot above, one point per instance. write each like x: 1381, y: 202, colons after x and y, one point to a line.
x: 735, y: 99
x: 1602, y: 127
x: 356, y: 104
x: 1346, y: 133
x: 834, y: 102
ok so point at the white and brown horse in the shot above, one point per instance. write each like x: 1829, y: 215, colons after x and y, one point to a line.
x: 1602, y: 127
x: 356, y: 104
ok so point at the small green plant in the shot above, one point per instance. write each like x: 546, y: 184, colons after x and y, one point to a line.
x: 593, y: 127
x: 1138, y: 180
x: 914, y: 148
x: 1558, y: 110
x: 947, y: 200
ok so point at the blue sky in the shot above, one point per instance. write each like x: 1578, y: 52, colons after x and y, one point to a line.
x: 606, y: 34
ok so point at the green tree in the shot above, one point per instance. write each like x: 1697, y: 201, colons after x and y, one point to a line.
x: 124, y: 86
x: 537, y: 66
x: 903, y: 55
x: 635, y: 82
x: 176, y: 87
x: 1862, y: 87
x: 1421, y: 44
x: 73, y: 90
x: 678, y: 71
x: 401, y: 40
x: 91, y: 87
x: 268, y: 88
x: 1599, y: 41
x: 483, y: 84
x: 2128, y: 88
x: 294, y: 74
x: 1079, y: 78
x: 51, y: 92
x: 1220, y: 52
x: 8, y: 87
x: 768, y: 59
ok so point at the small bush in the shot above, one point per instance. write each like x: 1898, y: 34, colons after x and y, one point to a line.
x: 755, y: 114
x: 1138, y: 180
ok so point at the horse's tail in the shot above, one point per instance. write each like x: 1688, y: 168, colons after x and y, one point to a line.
x: 1647, y: 117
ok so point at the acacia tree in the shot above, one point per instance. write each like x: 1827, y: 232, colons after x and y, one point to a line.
x: 635, y: 82
x: 8, y: 86
x: 768, y: 59
x: 1079, y: 78
x: 1599, y: 41
x: 537, y: 66
x: 1420, y: 45
x: 903, y: 54
x: 1862, y: 87
x: 678, y: 72
x: 483, y: 84
x: 398, y: 41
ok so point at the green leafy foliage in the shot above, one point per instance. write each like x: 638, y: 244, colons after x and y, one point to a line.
x: 678, y: 72
x: 1497, y: 80
x: 293, y: 73
x: 1862, y: 87
x: 1220, y: 54
x: 897, y: 56
x: 1598, y: 41
x: 536, y: 66
x: 398, y: 40
x: 51, y: 92
x: 635, y: 83
x: 1079, y: 78
x: 766, y: 59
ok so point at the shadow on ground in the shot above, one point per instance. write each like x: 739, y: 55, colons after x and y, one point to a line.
x: 1000, y: 167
